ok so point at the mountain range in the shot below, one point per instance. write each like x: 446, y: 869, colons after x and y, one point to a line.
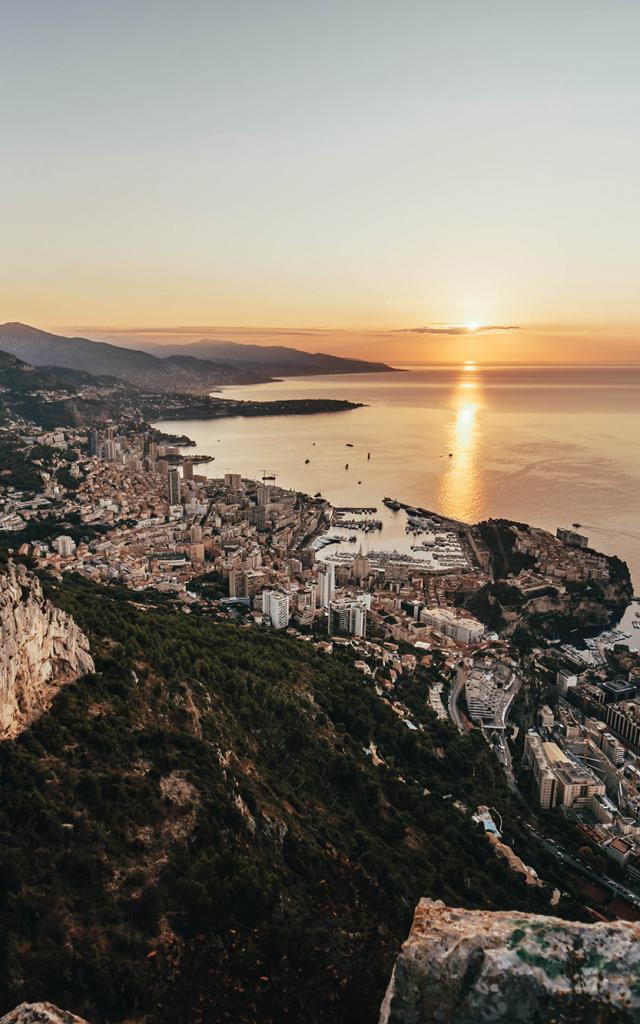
x: 196, y: 367
x: 277, y: 359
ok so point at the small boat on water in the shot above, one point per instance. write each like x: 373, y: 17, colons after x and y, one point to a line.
x: 368, y: 455
x: 307, y: 461
x: 346, y: 465
x: 576, y: 526
x: 348, y: 445
x: 359, y: 481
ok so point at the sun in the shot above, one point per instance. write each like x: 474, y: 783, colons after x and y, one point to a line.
x: 471, y: 325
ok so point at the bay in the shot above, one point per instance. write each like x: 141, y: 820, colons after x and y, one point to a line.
x: 546, y: 445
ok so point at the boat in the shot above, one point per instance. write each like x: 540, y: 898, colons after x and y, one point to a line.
x: 450, y: 455
x: 346, y: 465
x: 307, y: 461
x: 359, y: 481
x: 352, y: 540
x: 348, y: 445
x: 368, y: 455
x: 577, y: 526
x: 392, y: 504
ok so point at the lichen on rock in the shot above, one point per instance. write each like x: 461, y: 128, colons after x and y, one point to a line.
x: 479, y: 967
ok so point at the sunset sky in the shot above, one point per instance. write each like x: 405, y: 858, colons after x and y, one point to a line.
x: 356, y: 176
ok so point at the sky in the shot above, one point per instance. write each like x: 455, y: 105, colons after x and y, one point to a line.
x: 356, y: 176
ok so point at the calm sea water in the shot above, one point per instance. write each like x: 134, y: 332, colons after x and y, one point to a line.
x: 545, y: 445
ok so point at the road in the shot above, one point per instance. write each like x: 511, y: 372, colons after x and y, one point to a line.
x: 454, y: 711
x: 584, y: 869
x: 504, y: 756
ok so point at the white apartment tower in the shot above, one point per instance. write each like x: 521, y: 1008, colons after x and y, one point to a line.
x: 275, y: 604
x: 326, y: 583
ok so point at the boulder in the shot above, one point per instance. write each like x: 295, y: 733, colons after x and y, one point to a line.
x: 479, y: 967
x: 40, y: 1013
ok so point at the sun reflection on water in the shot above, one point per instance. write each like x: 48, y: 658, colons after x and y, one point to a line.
x: 460, y: 485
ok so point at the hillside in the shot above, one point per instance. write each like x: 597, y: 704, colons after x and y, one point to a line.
x: 21, y: 377
x: 198, y: 832
x: 178, y: 370
x: 54, y: 396
x: 140, y: 368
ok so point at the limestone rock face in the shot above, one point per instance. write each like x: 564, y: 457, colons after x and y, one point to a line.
x: 477, y: 967
x: 41, y: 648
x: 40, y: 1013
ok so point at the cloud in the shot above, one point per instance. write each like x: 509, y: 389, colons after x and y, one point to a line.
x: 458, y: 329
x: 206, y: 331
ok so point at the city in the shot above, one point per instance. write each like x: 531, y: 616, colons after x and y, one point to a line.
x: 131, y: 508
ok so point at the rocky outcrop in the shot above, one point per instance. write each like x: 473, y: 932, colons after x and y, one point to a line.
x: 40, y: 1013
x: 41, y: 648
x: 544, y: 585
x: 478, y: 967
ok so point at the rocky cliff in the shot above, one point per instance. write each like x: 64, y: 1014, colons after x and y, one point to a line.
x: 41, y: 648
x: 477, y: 967
x: 40, y: 1013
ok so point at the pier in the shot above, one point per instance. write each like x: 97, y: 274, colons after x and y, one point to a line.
x: 356, y: 510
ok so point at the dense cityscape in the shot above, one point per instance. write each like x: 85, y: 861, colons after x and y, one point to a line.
x: 319, y: 491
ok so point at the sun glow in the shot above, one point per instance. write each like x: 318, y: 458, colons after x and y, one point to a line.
x: 471, y: 325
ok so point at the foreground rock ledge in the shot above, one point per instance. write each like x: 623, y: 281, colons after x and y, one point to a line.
x: 40, y: 1013
x: 477, y: 967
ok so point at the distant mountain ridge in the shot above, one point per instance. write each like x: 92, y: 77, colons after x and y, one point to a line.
x: 197, y: 367
x: 279, y: 359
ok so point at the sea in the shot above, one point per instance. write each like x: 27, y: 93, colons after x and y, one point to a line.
x: 545, y: 445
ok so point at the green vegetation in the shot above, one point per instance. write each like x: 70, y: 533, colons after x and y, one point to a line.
x: 197, y: 833
x: 17, y: 464
x: 210, y: 585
